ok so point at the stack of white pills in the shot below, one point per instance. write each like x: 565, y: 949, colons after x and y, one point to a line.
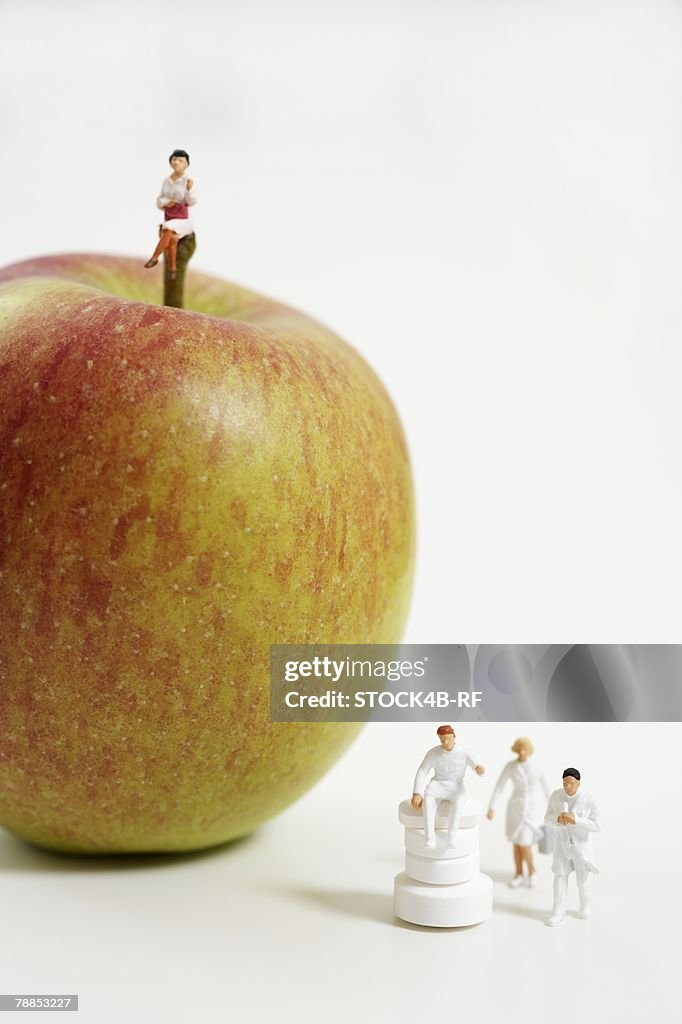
x: 442, y: 887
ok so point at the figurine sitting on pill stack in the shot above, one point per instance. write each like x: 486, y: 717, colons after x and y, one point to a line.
x: 442, y: 887
x: 449, y: 763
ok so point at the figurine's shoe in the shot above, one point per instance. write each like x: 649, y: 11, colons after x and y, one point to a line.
x: 172, y: 275
x: 430, y: 844
x: 554, y: 920
x: 452, y: 840
x: 516, y: 882
x: 530, y: 882
x: 151, y: 263
x: 584, y: 913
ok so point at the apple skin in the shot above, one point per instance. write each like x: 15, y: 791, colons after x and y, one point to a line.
x: 179, y: 489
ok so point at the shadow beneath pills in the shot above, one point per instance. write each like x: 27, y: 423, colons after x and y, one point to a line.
x: 407, y: 926
x: 18, y: 855
x: 370, y: 906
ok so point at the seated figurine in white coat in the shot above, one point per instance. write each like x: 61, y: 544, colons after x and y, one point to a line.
x: 574, y: 816
x: 449, y: 763
x: 526, y: 807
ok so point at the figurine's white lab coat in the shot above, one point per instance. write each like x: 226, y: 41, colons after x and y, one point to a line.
x: 525, y: 810
x: 573, y: 843
x: 449, y: 767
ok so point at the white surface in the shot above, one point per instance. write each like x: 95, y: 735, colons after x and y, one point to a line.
x: 261, y: 923
x: 485, y: 199
x: 437, y: 871
x: 443, y: 906
x: 467, y: 842
x: 410, y: 818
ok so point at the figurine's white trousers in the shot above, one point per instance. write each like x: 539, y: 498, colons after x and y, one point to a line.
x: 433, y: 794
x: 561, y: 888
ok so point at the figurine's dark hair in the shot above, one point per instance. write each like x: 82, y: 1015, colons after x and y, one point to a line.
x: 573, y: 772
x: 443, y: 730
x: 179, y: 152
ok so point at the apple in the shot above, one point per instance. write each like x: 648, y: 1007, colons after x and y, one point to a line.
x: 180, y: 488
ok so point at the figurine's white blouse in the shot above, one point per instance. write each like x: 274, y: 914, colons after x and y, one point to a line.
x: 525, y: 810
x: 448, y: 766
x: 176, y: 192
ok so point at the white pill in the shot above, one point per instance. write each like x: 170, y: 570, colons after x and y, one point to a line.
x: 466, y: 842
x: 442, y: 872
x: 471, y: 813
x: 443, y: 906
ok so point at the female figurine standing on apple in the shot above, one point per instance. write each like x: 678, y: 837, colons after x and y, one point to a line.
x: 175, y: 199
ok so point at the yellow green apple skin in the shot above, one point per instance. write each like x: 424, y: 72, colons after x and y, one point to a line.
x: 179, y: 490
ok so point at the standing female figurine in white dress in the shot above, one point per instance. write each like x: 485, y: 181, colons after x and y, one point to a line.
x: 525, y: 810
x: 175, y: 199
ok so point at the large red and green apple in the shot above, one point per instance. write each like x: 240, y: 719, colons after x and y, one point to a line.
x: 179, y: 488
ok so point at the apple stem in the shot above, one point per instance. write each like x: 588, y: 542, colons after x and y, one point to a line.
x: 174, y: 291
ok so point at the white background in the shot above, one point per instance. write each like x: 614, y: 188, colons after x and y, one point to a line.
x: 485, y: 199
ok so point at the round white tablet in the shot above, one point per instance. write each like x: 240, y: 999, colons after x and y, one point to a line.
x: 443, y: 906
x: 466, y: 842
x: 471, y: 813
x: 442, y: 872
